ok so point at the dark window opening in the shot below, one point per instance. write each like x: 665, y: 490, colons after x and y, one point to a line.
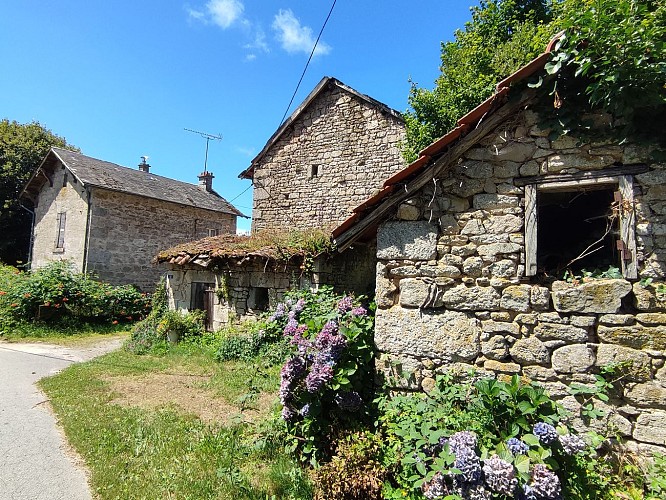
x: 576, y: 230
x: 213, y: 232
x: 197, y: 300
x: 64, y: 180
x: 314, y: 170
x: 258, y: 299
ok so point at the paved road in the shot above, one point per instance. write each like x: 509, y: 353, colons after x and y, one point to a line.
x: 34, y: 461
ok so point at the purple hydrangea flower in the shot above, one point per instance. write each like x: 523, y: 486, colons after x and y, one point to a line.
x: 288, y: 413
x: 527, y: 493
x: 359, y: 311
x: 545, y: 484
x: 516, y: 446
x: 280, y: 310
x: 330, y: 344
x: 500, y: 475
x: 299, y: 306
x: 302, y: 344
x: 546, y: 433
x: 319, y: 376
x: 466, y: 439
x: 435, y: 488
x: 468, y: 463
x: 291, y: 327
x: 572, y: 444
x: 305, y: 410
x: 345, y: 304
x: 348, y: 401
x: 472, y: 491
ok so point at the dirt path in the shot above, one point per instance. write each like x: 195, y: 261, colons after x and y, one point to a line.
x: 36, y: 461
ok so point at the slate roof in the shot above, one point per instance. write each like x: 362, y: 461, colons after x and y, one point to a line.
x: 106, y: 175
x: 325, y: 83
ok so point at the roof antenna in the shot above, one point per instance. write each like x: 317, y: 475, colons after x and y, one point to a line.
x: 208, y: 138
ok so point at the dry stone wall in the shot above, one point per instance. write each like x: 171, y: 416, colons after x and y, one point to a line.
x: 453, y: 294
x: 352, y: 145
x: 128, y: 231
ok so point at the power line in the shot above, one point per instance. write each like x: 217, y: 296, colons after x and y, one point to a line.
x: 307, y: 63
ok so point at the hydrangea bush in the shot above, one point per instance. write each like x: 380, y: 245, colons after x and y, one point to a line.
x: 491, y: 439
x: 326, y: 384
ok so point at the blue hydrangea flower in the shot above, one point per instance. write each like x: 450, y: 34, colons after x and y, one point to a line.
x: 305, y: 410
x: 500, y: 476
x: 516, y: 446
x: 572, y: 444
x: 318, y: 377
x: 469, y: 464
x: 466, y: 439
x: 435, y: 488
x: 472, y: 491
x: 546, y: 433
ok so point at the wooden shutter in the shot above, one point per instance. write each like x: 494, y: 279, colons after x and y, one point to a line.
x: 60, y: 226
x: 530, y: 230
x: 627, y: 242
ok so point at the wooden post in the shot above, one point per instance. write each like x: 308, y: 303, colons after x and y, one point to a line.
x: 627, y: 227
x: 530, y: 230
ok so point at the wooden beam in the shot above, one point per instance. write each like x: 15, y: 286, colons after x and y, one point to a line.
x: 638, y: 168
x: 437, y: 168
x: 627, y: 226
x: 531, y: 220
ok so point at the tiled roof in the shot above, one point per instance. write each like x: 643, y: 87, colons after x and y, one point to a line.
x: 325, y: 83
x: 429, y: 155
x: 103, y: 174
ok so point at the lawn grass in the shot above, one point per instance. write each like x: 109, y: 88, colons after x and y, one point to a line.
x: 164, y: 452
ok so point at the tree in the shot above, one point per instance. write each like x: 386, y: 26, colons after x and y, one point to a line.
x: 502, y: 36
x: 22, y: 148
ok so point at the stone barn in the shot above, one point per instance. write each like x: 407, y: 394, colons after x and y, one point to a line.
x: 111, y: 220
x: 233, y: 277
x: 510, y: 250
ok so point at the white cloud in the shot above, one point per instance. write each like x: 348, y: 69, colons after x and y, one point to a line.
x: 250, y: 57
x: 197, y: 15
x: 225, y: 12
x: 294, y: 37
x: 259, y: 42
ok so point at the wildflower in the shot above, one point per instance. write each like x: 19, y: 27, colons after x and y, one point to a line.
x: 345, y: 304
x: 435, y: 488
x: 468, y: 463
x: 65, y: 299
x: 114, y: 322
x: 516, y: 446
x: 47, y: 303
x: 2, y: 292
x: 545, y: 484
x: 14, y: 304
x: 572, y: 444
x: 348, y: 401
x: 500, y: 476
x: 546, y: 433
x: 466, y: 439
x: 27, y: 295
x: 359, y: 311
x: 318, y: 377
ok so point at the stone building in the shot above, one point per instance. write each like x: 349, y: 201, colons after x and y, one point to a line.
x: 331, y: 154
x: 111, y: 221
x: 474, y: 240
x: 239, y: 276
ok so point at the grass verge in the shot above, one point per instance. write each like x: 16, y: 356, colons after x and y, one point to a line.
x: 166, y: 450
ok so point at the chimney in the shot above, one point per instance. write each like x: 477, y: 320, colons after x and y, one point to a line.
x: 143, y: 166
x: 206, y: 181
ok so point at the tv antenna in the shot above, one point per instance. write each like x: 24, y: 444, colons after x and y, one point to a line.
x: 208, y: 137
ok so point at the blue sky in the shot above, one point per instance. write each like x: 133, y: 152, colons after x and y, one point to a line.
x: 123, y: 79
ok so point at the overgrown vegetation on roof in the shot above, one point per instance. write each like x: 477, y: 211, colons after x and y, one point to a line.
x: 279, y: 245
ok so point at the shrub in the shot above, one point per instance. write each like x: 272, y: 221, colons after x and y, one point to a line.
x: 55, y: 292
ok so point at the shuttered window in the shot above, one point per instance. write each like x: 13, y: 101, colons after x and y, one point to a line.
x: 60, y: 230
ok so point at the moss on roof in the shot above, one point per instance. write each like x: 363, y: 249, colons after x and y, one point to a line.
x: 278, y: 245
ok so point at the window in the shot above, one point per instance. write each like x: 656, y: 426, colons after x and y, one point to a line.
x: 314, y: 171
x: 213, y: 232
x: 579, y: 221
x: 61, y: 218
x: 258, y: 299
x: 198, y: 297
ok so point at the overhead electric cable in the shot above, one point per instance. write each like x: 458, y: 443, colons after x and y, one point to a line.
x: 307, y: 63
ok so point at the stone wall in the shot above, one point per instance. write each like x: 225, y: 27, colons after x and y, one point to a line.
x: 127, y: 231
x: 352, y: 271
x: 452, y: 290
x: 353, y: 146
x: 63, y: 197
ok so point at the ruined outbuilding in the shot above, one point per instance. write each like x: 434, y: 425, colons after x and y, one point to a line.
x: 486, y: 251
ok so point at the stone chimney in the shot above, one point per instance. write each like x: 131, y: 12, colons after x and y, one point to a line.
x: 206, y: 181
x: 143, y: 166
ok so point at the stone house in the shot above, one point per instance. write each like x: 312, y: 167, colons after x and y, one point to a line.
x: 473, y: 240
x: 111, y: 220
x: 332, y: 153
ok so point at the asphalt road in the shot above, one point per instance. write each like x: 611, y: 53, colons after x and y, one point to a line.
x: 35, y: 462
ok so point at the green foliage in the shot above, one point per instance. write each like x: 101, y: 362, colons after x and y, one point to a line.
x: 619, y: 48
x: 22, y: 148
x: 501, y: 37
x: 595, y: 274
x: 56, y: 294
x: 416, y: 428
